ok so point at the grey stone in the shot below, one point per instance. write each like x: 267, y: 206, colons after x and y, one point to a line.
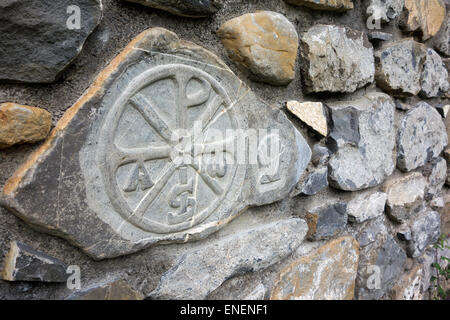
x: 376, y: 36
x: 434, y: 76
x: 112, y: 188
x: 365, y: 206
x: 421, y: 137
x: 316, y: 181
x: 336, y: 59
x: 405, y: 195
x: 442, y: 39
x: 436, y: 173
x: 371, y: 232
x: 385, y: 10
x: 363, y: 139
x: 37, y: 43
x: 320, y: 155
x: 400, y: 105
x: 116, y: 290
x: 326, y: 221
x: 425, y: 230
x: 199, y: 272
x: 404, y: 235
x: 258, y: 293
x: 329, y: 5
x: 24, y: 263
x: 398, y: 67
x: 191, y: 8
x: 380, y: 267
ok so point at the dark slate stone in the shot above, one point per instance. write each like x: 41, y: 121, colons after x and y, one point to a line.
x: 185, y: 8
x: 376, y: 36
x: 23, y: 263
x: 36, y: 43
x: 316, y: 181
x: 326, y: 221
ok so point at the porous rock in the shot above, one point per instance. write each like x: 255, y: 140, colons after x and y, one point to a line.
x: 421, y: 137
x: 363, y: 139
x: 335, y: 59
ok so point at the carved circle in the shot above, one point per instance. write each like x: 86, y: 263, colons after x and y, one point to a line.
x: 112, y: 156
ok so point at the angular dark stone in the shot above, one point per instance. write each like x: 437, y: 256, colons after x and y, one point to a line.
x: 316, y: 181
x: 190, y: 8
x: 117, y: 290
x: 326, y: 221
x: 23, y: 263
x: 379, y: 269
x: 40, y: 38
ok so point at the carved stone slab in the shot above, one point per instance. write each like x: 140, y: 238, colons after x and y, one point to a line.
x: 135, y: 161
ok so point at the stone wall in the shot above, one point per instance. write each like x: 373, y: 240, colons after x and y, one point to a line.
x: 352, y: 93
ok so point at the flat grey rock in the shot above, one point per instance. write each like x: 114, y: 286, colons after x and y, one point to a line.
x: 436, y: 173
x: 421, y: 137
x: 199, y: 272
x: 185, y: 8
x: 24, y: 263
x: 40, y: 38
x: 336, y: 59
x: 425, y: 230
x: 381, y: 265
x: 363, y: 140
x: 366, y: 206
x: 130, y: 165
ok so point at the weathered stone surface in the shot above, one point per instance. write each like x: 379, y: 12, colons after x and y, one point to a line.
x: 363, y: 137
x: 436, y: 173
x: 336, y: 59
x: 327, y: 220
x: 399, y: 67
x: 313, y: 114
x: 257, y: 294
x: 375, y: 36
x: 366, y: 206
x: 442, y: 39
x: 41, y: 38
x: 421, y: 137
x: 404, y: 196
x: 191, y: 8
x: 320, y: 155
x: 326, y: 274
x: 23, y: 263
x: 316, y: 181
x: 263, y: 43
x: 199, y: 272
x: 425, y: 230
x: 112, y: 188
x: 371, y: 232
x: 410, y: 286
x: 381, y: 265
x: 117, y: 290
x: 423, y: 16
x: 385, y: 10
x: 330, y: 5
x: 401, y: 105
x: 22, y: 124
x: 433, y: 79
